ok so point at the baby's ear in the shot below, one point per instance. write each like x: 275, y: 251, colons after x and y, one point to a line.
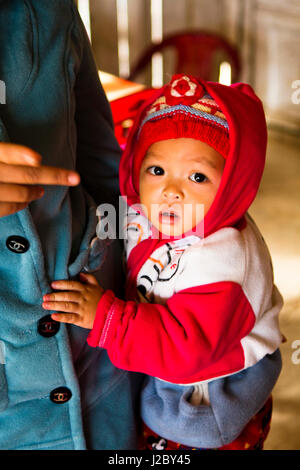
x: 246, y: 89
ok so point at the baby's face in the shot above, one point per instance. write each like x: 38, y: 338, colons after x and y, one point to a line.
x: 179, y: 179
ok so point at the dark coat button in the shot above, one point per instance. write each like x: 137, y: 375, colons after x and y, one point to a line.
x: 17, y: 244
x: 60, y: 395
x: 47, y: 326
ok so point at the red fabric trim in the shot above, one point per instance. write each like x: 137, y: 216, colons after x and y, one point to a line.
x: 103, y: 308
x: 138, y: 255
x: 114, y: 315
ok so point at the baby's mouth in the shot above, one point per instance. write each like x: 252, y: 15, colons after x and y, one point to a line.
x: 168, y: 217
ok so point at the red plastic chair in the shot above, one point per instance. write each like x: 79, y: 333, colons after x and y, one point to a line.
x: 124, y: 111
x: 196, y: 54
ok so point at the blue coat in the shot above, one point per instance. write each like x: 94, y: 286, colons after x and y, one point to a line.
x: 55, y: 391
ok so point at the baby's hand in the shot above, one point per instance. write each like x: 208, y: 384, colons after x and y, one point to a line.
x: 78, y: 299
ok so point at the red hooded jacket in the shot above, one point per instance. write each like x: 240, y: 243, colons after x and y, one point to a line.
x: 206, y: 329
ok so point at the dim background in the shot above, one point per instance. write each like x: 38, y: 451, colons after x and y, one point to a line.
x: 266, y: 34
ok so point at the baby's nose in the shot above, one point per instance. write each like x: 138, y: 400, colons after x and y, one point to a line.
x: 172, y: 193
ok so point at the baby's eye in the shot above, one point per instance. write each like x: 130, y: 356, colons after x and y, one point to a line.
x: 156, y: 170
x: 198, y: 177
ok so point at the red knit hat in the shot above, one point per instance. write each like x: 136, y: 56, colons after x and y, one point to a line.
x: 183, y: 109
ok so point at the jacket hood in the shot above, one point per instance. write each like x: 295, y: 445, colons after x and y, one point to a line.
x: 244, y: 164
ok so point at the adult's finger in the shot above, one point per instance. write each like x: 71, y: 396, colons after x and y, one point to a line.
x: 14, y: 154
x: 34, y: 175
x: 8, y: 208
x: 19, y: 193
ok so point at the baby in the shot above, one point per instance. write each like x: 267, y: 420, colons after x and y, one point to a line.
x: 201, y: 310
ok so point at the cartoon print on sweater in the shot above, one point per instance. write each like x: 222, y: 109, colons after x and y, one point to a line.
x: 162, y: 266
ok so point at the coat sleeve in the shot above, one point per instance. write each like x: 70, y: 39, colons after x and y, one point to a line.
x: 195, y: 336
x: 98, y: 152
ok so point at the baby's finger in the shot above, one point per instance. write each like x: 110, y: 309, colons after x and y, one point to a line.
x: 89, y: 279
x: 69, y: 307
x: 67, y: 285
x: 66, y: 318
x: 69, y: 296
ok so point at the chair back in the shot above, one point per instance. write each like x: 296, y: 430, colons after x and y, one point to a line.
x: 124, y: 111
x: 197, y: 53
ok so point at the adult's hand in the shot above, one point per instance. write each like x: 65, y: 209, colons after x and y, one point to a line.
x: 21, y: 177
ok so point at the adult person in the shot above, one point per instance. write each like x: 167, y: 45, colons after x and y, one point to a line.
x: 58, y: 161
